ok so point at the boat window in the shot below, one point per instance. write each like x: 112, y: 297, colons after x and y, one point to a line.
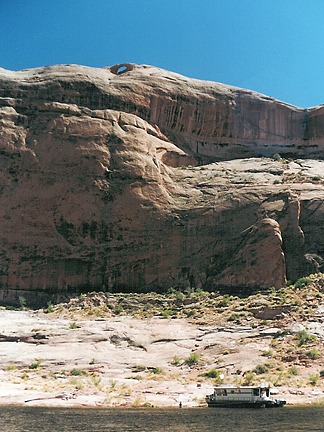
x: 256, y: 392
x: 224, y: 392
x: 232, y: 391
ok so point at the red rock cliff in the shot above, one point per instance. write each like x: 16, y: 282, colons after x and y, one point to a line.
x: 92, y: 197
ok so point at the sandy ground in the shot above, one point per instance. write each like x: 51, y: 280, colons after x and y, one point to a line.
x: 123, y: 361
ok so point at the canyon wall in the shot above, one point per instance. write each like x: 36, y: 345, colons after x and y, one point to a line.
x: 92, y: 196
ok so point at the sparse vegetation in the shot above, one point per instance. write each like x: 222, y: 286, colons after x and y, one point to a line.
x: 261, y: 369
x: 156, y: 371
x: 175, y: 361
x: 50, y: 308
x: 78, y: 372
x: 313, y: 354
x: 193, y: 359
x: 73, y: 326
x: 313, y: 379
x: 249, y: 378
x: 11, y: 367
x: 291, y: 358
x: 304, y: 281
x: 22, y: 302
x: 303, y: 337
x: 293, y: 371
x: 36, y: 364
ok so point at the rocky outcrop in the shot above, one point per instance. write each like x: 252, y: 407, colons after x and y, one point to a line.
x: 93, y: 196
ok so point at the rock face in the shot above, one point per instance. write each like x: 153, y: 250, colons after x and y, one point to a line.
x: 93, y: 197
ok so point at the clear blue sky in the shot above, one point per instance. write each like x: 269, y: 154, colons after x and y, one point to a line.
x: 275, y: 47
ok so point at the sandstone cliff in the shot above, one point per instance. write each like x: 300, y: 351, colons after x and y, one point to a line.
x: 93, y: 197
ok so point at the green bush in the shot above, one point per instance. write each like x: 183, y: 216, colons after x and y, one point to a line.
x: 166, y: 313
x: 78, y: 372
x: 11, y: 367
x: 49, y: 308
x: 175, y: 361
x: 268, y: 353
x: 313, y: 379
x: 118, y: 309
x: 233, y: 317
x: 213, y: 373
x: 138, y: 368
x: 35, y: 365
x: 313, y: 354
x: 261, y: 369
x: 249, y: 378
x: 156, y: 371
x: 193, y: 359
x: 293, y: 370
x: 303, y: 282
x: 303, y: 337
x: 22, y: 302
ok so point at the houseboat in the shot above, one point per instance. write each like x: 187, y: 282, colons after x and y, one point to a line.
x: 231, y: 396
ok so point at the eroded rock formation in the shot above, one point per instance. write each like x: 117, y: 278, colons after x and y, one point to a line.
x: 92, y: 196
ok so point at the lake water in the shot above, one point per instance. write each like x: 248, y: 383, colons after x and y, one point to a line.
x: 27, y: 419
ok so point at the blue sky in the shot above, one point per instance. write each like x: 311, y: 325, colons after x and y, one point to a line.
x: 275, y: 47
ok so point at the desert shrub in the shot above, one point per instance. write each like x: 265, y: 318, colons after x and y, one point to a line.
x: 261, y: 369
x: 293, y: 370
x: 78, y: 372
x: 303, y: 282
x: 313, y: 379
x: 25, y: 376
x: 118, y: 309
x: 73, y: 326
x: 36, y: 364
x: 11, y: 367
x: 96, y: 380
x: 22, y: 302
x: 166, y: 313
x: 190, y: 312
x: 49, y: 308
x: 233, y: 317
x: 156, y: 371
x: 268, y: 353
x: 175, y: 361
x: 303, y: 337
x: 212, y: 373
x: 192, y: 360
x: 225, y: 301
x: 249, y: 378
x: 138, y: 368
x: 313, y: 354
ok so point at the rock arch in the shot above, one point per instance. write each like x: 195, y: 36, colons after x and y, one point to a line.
x: 121, y: 68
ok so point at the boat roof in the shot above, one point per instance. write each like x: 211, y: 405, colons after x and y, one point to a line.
x: 226, y: 387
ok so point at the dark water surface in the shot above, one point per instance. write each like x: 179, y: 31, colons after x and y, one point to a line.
x: 27, y: 419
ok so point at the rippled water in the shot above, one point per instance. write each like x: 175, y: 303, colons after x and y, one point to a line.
x: 27, y: 419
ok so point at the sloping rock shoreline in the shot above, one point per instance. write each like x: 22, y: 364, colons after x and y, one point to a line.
x: 149, y: 350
